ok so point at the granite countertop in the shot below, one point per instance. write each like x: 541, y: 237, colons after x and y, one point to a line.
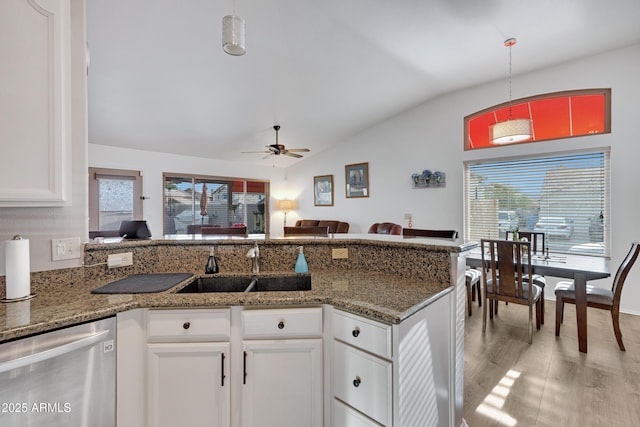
x: 380, y: 296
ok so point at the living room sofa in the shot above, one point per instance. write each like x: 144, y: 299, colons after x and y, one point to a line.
x: 334, y: 226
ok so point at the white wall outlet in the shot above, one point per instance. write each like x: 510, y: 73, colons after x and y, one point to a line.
x: 69, y: 248
x: 120, y: 260
x: 340, y: 253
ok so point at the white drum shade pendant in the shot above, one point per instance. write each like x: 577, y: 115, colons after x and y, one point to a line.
x: 511, y: 130
x: 233, y: 35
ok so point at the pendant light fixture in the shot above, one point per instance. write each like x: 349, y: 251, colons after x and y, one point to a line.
x: 233, y: 34
x: 511, y: 130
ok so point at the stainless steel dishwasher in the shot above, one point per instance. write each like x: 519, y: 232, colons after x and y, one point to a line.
x: 61, y: 378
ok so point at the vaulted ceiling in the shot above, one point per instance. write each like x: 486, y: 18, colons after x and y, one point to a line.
x: 322, y: 69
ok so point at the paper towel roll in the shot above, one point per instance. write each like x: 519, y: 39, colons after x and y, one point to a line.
x: 17, y: 269
x: 18, y: 313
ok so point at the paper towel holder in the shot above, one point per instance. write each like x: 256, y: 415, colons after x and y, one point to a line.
x: 31, y: 295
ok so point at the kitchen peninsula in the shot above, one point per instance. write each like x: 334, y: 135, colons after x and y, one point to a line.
x: 412, y: 289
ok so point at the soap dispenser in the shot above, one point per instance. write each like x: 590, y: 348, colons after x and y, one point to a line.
x: 212, y: 264
x: 301, y: 262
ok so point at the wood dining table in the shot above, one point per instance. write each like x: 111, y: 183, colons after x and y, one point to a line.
x: 580, y: 268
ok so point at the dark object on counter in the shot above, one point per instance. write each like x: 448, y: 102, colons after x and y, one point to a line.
x: 134, y: 230
x: 143, y: 283
x: 212, y: 263
x: 224, y: 230
x: 421, y: 232
x: 104, y: 233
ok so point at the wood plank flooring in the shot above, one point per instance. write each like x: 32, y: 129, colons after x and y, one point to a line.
x: 549, y: 383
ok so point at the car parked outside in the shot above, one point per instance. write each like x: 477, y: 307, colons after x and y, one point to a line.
x: 555, y: 226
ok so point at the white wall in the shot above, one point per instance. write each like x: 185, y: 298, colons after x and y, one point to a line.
x: 152, y: 165
x: 430, y: 136
x: 40, y: 225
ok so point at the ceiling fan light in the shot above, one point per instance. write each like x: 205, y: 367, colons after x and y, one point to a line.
x: 510, y: 131
x: 233, y: 35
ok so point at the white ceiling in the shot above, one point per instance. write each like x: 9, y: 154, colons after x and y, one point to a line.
x: 322, y: 69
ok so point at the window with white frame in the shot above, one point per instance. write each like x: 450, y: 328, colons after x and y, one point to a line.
x: 115, y: 195
x: 566, y: 196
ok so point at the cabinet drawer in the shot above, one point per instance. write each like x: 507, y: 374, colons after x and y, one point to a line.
x: 366, y: 334
x: 188, y: 325
x: 345, y: 416
x: 282, y: 323
x: 363, y: 381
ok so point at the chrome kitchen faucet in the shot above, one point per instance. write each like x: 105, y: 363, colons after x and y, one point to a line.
x: 254, y: 254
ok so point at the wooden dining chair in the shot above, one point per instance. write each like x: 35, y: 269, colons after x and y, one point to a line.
x: 307, y: 231
x: 538, y: 241
x: 230, y: 231
x: 417, y: 232
x: 506, y: 263
x: 604, y: 299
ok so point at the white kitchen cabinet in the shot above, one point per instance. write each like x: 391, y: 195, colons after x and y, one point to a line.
x: 282, y: 385
x: 35, y: 166
x: 188, y: 379
x: 188, y: 385
x: 345, y: 416
x: 394, y: 375
x: 282, y: 379
x: 363, y: 381
x: 280, y: 372
x: 187, y: 367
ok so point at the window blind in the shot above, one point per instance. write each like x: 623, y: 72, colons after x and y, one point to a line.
x: 566, y: 196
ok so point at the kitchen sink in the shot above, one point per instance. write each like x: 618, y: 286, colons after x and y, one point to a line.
x: 300, y: 282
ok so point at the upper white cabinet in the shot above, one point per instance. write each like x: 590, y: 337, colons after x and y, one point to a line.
x: 35, y: 103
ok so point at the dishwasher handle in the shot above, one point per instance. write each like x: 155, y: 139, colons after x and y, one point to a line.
x: 52, y: 352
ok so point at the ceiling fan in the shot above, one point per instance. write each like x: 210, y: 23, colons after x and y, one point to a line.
x: 277, y: 149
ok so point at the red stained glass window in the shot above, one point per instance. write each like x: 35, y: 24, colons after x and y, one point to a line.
x: 554, y: 116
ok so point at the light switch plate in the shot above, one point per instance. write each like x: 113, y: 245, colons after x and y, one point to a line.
x: 68, y: 248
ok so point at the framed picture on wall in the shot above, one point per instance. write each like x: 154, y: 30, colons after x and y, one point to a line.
x: 357, y: 180
x: 323, y: 190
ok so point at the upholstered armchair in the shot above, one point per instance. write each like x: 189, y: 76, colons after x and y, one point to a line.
x: 385, y: 228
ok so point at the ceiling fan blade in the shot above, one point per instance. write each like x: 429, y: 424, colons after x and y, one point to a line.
x: 287, y: 153
x: 268, y: 155
x: 254, y: 152
x: 298, y: 150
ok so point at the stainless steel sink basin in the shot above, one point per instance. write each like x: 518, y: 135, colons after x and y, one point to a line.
x: 300, y: 282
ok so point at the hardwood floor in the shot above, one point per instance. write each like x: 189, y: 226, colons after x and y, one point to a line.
x: 549, y: 383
